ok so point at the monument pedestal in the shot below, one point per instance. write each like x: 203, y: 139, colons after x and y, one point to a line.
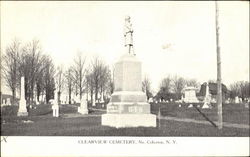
x: 22, y: 111
x: 128, y: 105
x: 129, y: 120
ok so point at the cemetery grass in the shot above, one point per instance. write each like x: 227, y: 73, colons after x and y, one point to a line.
x: 43, y: 124
x: 232, y: 113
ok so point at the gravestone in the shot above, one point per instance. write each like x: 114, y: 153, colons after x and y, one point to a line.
x: 8, y: 103
x: 22, y: 110
x: 236, y: 100
x: 93, y: 101
x: 128, y: 105
x: 55, y: 106
x: 207, y: 98
x: 83, y: 109
x: 190, y: 95
x: 190, y: 106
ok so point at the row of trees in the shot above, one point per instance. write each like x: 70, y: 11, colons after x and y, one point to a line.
x: 27, y: 60
x: 42, y: 77
x: 95, y: 79
x: 171, y: 87
x: 240, y: 89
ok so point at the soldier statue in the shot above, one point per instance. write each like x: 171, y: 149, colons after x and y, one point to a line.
x: 128, y: 34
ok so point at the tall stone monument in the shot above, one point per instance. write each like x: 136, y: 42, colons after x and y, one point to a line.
x: 55, y: 106
x: 208, y: 98
x: 22, y: 111
x: 128, y: 105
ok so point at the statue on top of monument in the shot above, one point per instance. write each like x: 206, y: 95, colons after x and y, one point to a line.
x: 128, y: 34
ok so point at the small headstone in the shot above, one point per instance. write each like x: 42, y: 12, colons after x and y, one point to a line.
x: 4, y: 102
x: 247, y: 105
x: 191, y: 105
x: 150, y: 100
x: 8, y: 103
x: 236, y: 100
x: 240, y: 100
x: 83, y: 109
x: 179, y: 105
x: 205, y: 105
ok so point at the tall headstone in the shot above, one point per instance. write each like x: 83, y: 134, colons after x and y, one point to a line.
x: 93, y: 101
x: 22, y: 110
x: 128, y: 105
x: 83, y: 109
x: 207, y: 99
x: 55, y: 106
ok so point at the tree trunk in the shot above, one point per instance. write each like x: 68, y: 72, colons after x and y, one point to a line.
x: 13, y: 96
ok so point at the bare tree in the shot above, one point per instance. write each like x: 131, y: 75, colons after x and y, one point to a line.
x: 96, y: 75
x: 146, y: 86
x: 30, y: 67
x: 11, y: 66
x: 192, y: 82
x: 79, y: 73
x: 165, y: 85
x: 69, y: 81
x: 240, y: 89
x: 178, y: 85
x: 59, y: 81
x: 49, y: 74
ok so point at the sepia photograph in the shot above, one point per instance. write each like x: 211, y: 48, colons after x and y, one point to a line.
x: 123, y: 78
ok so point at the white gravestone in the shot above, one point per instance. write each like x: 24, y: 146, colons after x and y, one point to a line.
x: 22, y: 110
x: 207, y: 99
x: 8, y: 103
x: 190, y: 106
x: 83, y: 109
x: 93, y: 101
x: 55, y: 106
x: 236, y: 100
x: 190, y: 95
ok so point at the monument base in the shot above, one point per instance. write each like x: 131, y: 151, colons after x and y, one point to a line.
x: 22, y: 113
x: 82, y: 110
x: 129, y: 120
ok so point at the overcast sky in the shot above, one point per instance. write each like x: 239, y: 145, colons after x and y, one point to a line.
x: 96, y: 29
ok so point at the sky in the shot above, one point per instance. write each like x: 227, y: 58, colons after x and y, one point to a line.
x: 170, y: 38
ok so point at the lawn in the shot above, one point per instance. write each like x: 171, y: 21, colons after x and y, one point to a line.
x: 43, y: 124
x: 232, y: 113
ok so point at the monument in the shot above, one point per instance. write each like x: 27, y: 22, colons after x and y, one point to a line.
x: 8, y: 103
x: 93, y: 101
x: 128, y: 105
x: 22, y: 111
x: 207, y: 99
x: 83, y: 109
x: 55, y: 106
x: 190, y: 95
